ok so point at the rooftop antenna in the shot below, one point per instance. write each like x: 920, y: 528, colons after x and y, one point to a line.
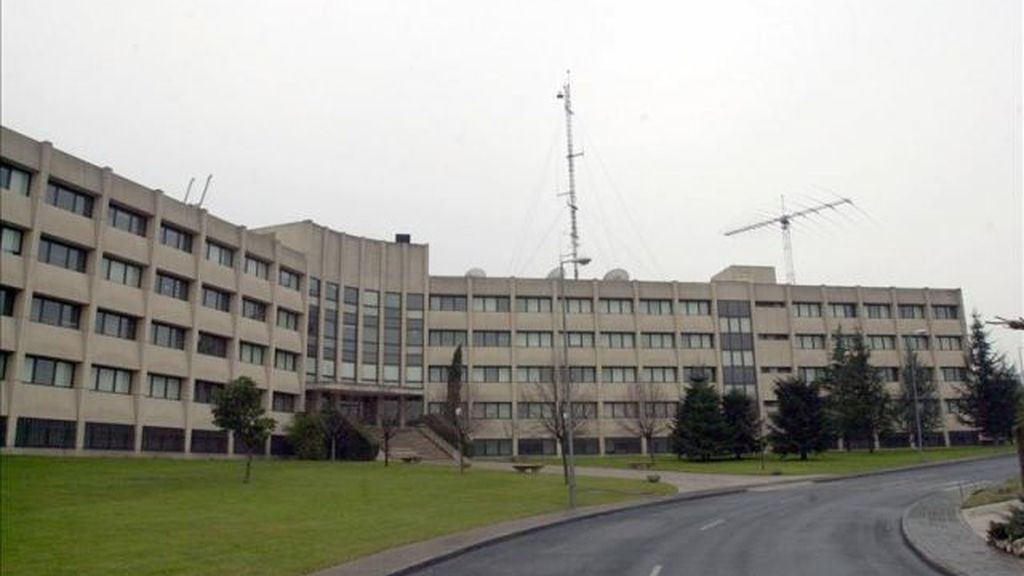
x: 574, y: 234
x: 785, y: 220
x: 205, y: 188
x: 188, y: 190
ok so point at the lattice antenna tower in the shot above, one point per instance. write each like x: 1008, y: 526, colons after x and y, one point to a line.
x: 574, y: 233
x: 784, y: 220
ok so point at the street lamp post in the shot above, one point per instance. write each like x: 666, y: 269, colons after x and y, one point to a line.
x: 567, y: 415
x: 458, y: 432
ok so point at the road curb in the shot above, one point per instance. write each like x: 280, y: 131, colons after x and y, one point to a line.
x: 915, y: 548
x: 925, y: 466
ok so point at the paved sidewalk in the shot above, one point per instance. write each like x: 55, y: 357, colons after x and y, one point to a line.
x: 684, y: 482
x: 935, y: 529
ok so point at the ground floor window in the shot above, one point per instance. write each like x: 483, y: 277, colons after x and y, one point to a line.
x: 585, y: 446
x: 622, y: 446
x: 280, y: 446
x: 109, y: 436
x: 963, y: 438
x: 209, y: 442
x: 485, y: 447
x: 660, y: 446
x: 44, y: 433
x: 159, y: 439
x: 536, y: 446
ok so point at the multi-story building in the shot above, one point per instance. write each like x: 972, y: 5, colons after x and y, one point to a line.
x: 124, y: 310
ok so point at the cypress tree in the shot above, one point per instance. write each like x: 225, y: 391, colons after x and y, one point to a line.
x: 858, y: 402
x: 699, y: 431
x: 800, y: 425
x: 990, y: 397
x: 742, y: 424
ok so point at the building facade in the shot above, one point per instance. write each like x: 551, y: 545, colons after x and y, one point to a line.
x: 124, y: 310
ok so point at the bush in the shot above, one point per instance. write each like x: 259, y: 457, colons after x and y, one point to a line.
x: 307, y: 438
x: 356, y: 443
x: 443, y: 428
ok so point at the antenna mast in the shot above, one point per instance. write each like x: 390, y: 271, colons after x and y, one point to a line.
x: 571, y: 155
x: 785, y: 220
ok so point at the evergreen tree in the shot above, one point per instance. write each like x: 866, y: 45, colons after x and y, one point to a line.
x: 699, y: 431
x: 859, y: 405
x: 238, y: 408
x: 742, y: 423
x: 990, y: 397
x: 800, y: 424
x: 927, y: 398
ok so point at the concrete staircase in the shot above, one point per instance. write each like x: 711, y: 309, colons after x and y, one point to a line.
x: 416, y: 441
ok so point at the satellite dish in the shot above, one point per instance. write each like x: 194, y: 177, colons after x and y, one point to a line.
x: 476, y: 273
x: 555, y: 274
x: 617, y: 274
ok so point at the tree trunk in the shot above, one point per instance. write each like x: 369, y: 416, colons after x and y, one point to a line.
x: 650, y: 448
x: 334, y: 450
x: 248, y: 467
x: 1020, y: 453
x: 803, y: 455
x: 565, y: 462
x: 387, y: 450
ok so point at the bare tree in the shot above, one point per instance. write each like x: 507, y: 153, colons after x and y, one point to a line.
x: 556, y: 394
x: 646, y: 421
x: 388, y: 430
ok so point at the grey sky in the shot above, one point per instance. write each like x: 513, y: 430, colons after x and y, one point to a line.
x: 439, y: 119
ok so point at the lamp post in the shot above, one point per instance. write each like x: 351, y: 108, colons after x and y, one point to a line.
x: 567, y: 415
x: 917, y: 403
x: 458, y: 431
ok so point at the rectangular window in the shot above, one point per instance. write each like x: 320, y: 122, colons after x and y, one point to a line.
x: 621, y: 410
x: 109, y: 379
x: 533, y: 304
x: 811, y: 373
x: 490, y: 304
x: 212, y: 345
x: 660, y: 374
x: 15, y: 179
x: 165, y: 387
x: 654, y: 307
x: 737, y: 358
x: 256, y: 267
x: 584, y: 374
x: 911, y: 311
x: 109, y: 436
x: 915, y: 342
x: 579, y: 339
x: 175, y: 238
x: 878, y: 311
x: 314, y: 287
x: 220, y: 254
x: 734, y: 325
x: 810, y: 341
x: 492, y: 410
x: 535, y: 374
x: 251, y: 353
x: 526, y: 339
x: 44, y: 433
x: 485, y: 447
x: 776, y: 370
x: 618, y: 340
x: 696, y: 340
x: 843, y: 310
x: 695, y: 307
x: 171, y: 286
x: 584, y: 411
x: 167, y: 336
x: 658, y: 340
x: 615, y: 306
x: 287, y: 319
x: 48, y: 372
x: 888, y: 373
x: 55, y: 312
x: 945, y: 312
x: 110, y: 323
x: 880, y: 342
x: 216, y: 299
x: 807, y: 309
x: 7, y: 296
x: 285, y: 360
x: 206, y: 392
x: 448, y: 303
x: 535, y: 410
x: 440, y: 374
x: 954, y: 374
x: 128, y: 220
x: 333, y: 290
x: 492, y: 374
x: 288, y: 279
x: 60, y: 254
x: 254, y: 309
x: 10, y: 240
x: 949, y: 343
x: 769, y: 336
x: 579, y: 306
x: 769, y: 304
x: 662, y: 409
x: 122, y: 272
x: 70, y: 200
x: 689, y: 372
x: 492, y: 338
x: 447, y: 337
x: 615, y: 374
x: 283, y: 402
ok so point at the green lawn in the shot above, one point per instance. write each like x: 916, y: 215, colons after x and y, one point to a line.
x: 1009, y: 490
x: 833, y: 462
x: 145, y: 516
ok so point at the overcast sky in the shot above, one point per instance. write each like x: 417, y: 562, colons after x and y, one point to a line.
x: 440, y: 119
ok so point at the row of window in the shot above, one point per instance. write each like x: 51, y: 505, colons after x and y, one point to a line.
x: 546, y: 374
x: 545, y: 410
x: 875, y: 311
x: 545, y: 339
x: 883, y: 342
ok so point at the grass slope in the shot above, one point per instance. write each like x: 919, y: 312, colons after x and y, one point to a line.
x: 833, y: 462
x: 133, y: 516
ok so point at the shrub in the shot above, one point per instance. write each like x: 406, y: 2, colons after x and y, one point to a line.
x: 307, y: 438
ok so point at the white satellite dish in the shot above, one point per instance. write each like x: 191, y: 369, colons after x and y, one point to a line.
x: 555, y: 274
x: 617, y: 274
x: 476, y: 273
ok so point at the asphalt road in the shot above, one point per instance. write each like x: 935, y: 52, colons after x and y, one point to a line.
x: 849, y: 527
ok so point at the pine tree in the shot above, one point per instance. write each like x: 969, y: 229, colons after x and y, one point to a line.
x: 699, y: 431
x: 742, y: 424
x: 990, y: 397
x: 859, y: 404
x: 800, y: 424
x: 927, y: 398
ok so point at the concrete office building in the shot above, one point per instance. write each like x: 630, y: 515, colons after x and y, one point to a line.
x: 123, y: 310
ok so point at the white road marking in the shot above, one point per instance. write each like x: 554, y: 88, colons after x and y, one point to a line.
x: 656, y: 570
x: 712, y: 524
